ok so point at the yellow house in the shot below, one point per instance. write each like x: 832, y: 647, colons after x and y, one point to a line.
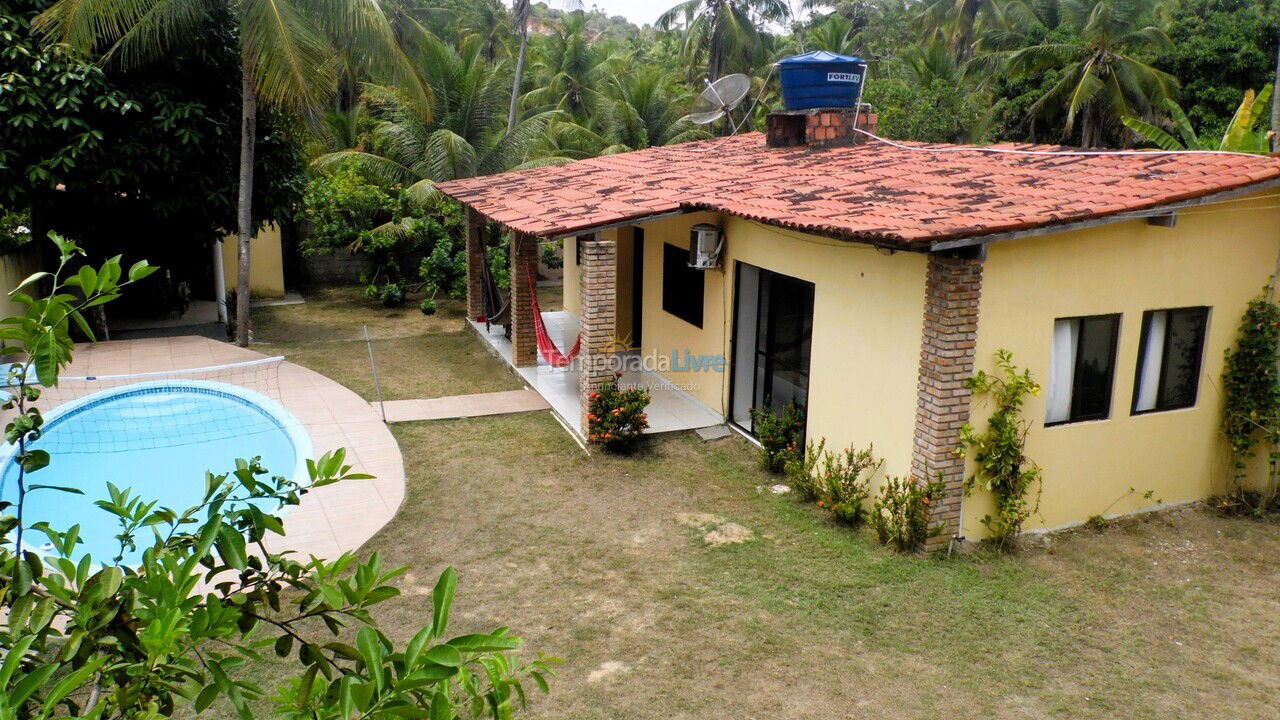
x: 866, y: 281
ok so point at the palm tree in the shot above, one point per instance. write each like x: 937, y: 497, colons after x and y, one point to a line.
x: 723, y: 32
x: 520, y: 19
x: 646, y: 107
x: 1102, y: 80
x: 838, y: 35
x: 457, y: 134
x: 1242, y: 134
x: 566, y: 68
x: 957, y: 23
x: 289, y: 59
x: 486, y: 22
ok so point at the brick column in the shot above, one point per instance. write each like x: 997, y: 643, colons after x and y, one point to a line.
x: 524, y: 341
x: 476, y: 235
x: 597, y: 277
x: 953, y: 288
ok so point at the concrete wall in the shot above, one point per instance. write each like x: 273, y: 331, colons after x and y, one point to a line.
x: 266, y: 263
x: 1217, y: 259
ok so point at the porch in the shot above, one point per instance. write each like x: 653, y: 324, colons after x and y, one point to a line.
x: 670, y: 408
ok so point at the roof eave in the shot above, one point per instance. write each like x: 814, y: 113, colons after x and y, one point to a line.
x: 1066, y: 226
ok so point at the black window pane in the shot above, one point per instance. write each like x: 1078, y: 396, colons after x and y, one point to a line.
x: 1095, y: 363
x: 682, y: 286
x: 792, y: 302
x: 1184, y: 338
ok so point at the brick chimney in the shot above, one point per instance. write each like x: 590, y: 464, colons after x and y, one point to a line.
x: 818, y: 128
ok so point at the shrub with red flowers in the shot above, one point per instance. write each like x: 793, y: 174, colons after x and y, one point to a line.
x: 802, y: 472
x: 845, y: 480
x: 838, y: 481
x: 903, y: 511
x: 780, y: 434
x: 616, y: 417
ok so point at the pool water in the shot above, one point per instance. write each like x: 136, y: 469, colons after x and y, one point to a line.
x: 158, y: 439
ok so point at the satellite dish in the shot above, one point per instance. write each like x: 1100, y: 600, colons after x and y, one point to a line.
x: 719, y: 98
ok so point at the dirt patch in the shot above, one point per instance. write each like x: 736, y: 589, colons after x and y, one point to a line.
x: 715, y: 530
x: 607, y: 669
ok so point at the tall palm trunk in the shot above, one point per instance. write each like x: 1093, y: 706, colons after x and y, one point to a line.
x: 964, y: 41
x: 716, y: 49
x: 1275, y: 102
x: 244, y: 203
x: 515, y: 83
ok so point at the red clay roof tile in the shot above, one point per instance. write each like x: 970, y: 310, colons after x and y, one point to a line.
x: 874, y: 192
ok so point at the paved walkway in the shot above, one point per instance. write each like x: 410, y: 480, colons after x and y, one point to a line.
x: 464, y: 406
x: 332, y: 519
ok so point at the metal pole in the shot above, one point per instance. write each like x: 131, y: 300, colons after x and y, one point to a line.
x: 377, y: 384
x: 219, y: 283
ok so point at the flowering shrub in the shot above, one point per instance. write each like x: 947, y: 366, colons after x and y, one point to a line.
x: 801, y: 472
x: 779, y: 434
x: 902, y: 512
x: 14, y: 229
x: 845, y: 483
x: 616, y: 417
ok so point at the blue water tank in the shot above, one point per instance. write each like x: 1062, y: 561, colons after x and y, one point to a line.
x: 821, y: 79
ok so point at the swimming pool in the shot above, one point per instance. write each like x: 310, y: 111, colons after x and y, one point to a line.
x: 158, y: 438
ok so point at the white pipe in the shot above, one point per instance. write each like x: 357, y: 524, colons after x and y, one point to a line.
x: 219, y: 282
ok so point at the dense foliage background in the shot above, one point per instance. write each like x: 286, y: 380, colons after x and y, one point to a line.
x: 145, y: 155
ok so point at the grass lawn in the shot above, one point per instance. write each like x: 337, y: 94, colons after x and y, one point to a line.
x: 593, y: 559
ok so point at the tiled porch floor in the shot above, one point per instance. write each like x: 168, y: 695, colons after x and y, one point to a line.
x: 670, y: 408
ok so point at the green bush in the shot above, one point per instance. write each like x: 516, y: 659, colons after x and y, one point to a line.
x: 779, y: 435
x: 939, y: 112
x: 391, y: 295
x: 616, y: 417
x: 427, y: 306
x: 845, y: 483
x: 404, y: 240
x: 801, y: 472
x: 15, y: 229
x: 902, y: 513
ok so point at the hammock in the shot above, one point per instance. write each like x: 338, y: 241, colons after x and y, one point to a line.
x: 547, y: 346
x: 497, y: 309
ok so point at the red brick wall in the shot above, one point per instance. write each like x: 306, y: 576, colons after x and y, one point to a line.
x: 598, y: 283
x: 524, y: 340
x: 953, y: 289
x: 475, y: 256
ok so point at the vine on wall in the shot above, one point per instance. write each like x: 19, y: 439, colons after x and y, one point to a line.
x: 1251, y: 407
x: 1003, y: 467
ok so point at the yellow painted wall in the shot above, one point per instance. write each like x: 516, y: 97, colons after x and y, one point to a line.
x: 266, y: 263
x: 1216, y: 259
x: 572, y: 290
x: 14, y: 268
x: 867, y: 321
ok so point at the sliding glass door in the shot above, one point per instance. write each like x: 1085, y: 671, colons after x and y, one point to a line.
x: 772, y: 337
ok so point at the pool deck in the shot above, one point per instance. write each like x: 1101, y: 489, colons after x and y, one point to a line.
x: 332, y: 519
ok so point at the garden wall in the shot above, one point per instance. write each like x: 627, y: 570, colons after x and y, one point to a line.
x: 14, y: 268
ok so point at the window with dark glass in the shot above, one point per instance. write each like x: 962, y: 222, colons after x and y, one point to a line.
x: 1082, y: 369
x: 1169, y: 359
x: 681, y: 285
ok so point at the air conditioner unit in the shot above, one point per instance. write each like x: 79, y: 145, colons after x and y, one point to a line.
x: 705, y: 244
